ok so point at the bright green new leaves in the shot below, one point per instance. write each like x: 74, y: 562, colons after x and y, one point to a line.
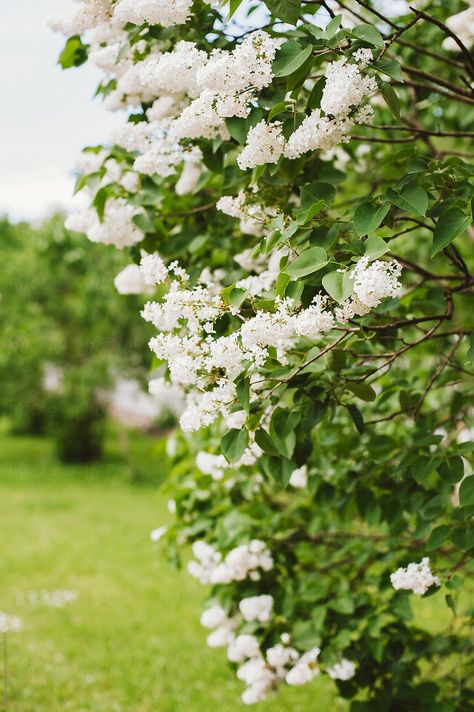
x: 369, y: 34
x: 286, y: 10
x: 74, y: 53
x: 338, y: 285
x: 450, y: 224
x: 308, y: 262
x: 290, y: 57
x: 234, y: 444
x: 368, y: 216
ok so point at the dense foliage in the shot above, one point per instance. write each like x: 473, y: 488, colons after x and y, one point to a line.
x: 65, y: 334
x: 302, y: 201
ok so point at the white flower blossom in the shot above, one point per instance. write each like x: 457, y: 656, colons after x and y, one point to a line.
x: 343, y: 670
x: 299, y: 477
x: 305, y: 670
x: 131, y: 281
x: 158, y: 533
x: 257, y: 608
x: 265, y: 144
x: 415, y: 577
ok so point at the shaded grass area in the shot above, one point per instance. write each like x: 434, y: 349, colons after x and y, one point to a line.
x: 132, y: 641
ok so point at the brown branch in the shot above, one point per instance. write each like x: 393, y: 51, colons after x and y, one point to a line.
x: 373, y: 139
x: 192, y: 211
x: 426, y: 132
x: 465, y: 52
x: 429, y: 53
x: 437, y: 90
x: 378, y: 14
x: 437, y: 372
x: 435, y: 80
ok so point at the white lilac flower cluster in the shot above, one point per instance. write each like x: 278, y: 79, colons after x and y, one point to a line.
x: 100, y: 14
x: 116, y: 228
x: 130, y: 280
x: 207, y: 366
x: 190, y: 91
x: 342, y: 103
x: 263, y: 671
x: 265, y: 144
x: 344, y: 91
x: 260, y: 672
x: 245, y: 561
x: 255, y: 218
x: 415, y: 577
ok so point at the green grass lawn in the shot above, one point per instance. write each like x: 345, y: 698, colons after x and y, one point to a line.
x: 132, y: 641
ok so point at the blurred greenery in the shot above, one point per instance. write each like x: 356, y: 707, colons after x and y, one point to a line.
x: 59, y: 308
x: 132, y: 641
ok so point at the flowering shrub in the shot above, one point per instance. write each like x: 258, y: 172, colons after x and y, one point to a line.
x: 296, y: 191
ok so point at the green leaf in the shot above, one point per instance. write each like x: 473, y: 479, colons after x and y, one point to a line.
x: 452, y: 469
x: 391, y: 99
x: 306, y: 214
x: 375, y: 247
x: 466, y: 491
x: 286, y: 10
x: 411, y: 199
x: 233, y: 444
x: 74, y: 53
x: 470, y: 351
x: 369, y: 34
x: 356, y: 417
x: 238, y: 296
x: 289, y: 58
x: 243, y: 393
x: 314, y: 99
x: 368, y: 216
x: 437, y: 537
x: 450, y: 224
x: 338, y: 285
x: 308, y: 262
x: 390, y: 67
x: 233, y: 7
x: 450, y: 603
x: 362, y: 391
x: 317, y: 191
x: 275, y: 110
x: 333, y: 26
x: 284, y: 422
x: 263, y: 440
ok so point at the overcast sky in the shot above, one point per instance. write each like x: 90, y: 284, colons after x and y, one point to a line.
x: 47, y: 114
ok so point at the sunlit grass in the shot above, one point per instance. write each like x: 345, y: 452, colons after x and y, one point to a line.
x: 131, y: 642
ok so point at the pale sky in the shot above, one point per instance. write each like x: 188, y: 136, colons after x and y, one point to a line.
x: 47, y: 115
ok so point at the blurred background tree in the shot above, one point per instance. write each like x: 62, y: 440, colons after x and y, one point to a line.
x: 66, y: 335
